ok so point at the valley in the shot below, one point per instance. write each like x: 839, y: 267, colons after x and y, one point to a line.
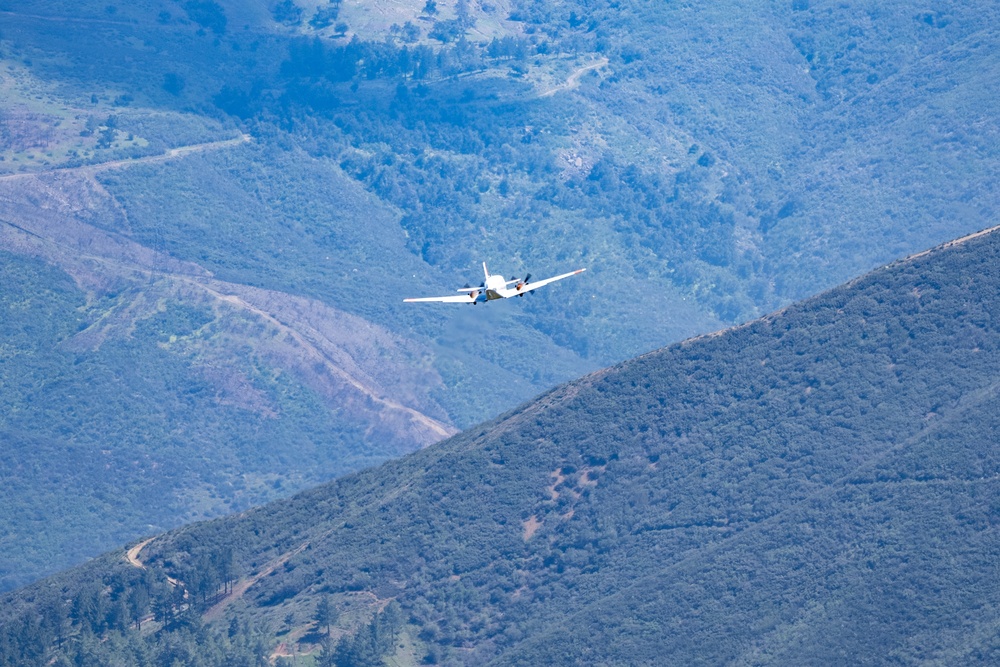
x: 211, y: 211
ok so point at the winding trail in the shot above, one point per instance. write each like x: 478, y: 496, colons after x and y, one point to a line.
x: 313, y: 343
x: 132, y: 555
x: 309, y: 339
x: 573, y: 80
x: 64, y: 19
x: 429, y: 423
x: 950, y: 244
x: 241, y: 587
x: 171, y: 154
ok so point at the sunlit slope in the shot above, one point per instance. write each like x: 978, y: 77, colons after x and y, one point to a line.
x: 133, y: 408
x: 154, y: 379
x: 818, y: 482
x: 708, y: 164
x: 288, y: 221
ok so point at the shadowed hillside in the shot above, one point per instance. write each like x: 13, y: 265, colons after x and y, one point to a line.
x: 816, y: 485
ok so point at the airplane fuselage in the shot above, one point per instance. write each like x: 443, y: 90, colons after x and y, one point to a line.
x: 493, y: 285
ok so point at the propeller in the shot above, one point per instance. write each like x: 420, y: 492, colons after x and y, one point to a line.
x: 521, y: 283
x: 476, y: 292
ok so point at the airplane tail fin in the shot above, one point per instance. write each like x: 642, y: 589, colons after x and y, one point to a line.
x: 486, y: 271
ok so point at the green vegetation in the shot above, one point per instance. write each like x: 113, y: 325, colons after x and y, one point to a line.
x: 820, y: 482
x: 657, y: 171
x: 143, y: 431
x: 707, y: 164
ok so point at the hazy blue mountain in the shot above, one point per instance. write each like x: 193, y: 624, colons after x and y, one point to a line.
x: 817, y: 486
x: 241, y: 193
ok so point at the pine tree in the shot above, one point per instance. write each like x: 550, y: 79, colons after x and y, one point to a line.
x: 324, y: 615
x: 327, y: 654
x: 138, y: 604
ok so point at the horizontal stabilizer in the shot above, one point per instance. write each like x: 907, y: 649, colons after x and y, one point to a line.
x: 462, y: 298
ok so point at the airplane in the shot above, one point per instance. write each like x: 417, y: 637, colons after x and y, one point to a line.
x: 495, y: 287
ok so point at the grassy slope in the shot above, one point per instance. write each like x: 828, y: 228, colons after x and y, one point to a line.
x: 809, y: 120
x: 287, y: 221
x: 95, y: 434
x: 821, y: 479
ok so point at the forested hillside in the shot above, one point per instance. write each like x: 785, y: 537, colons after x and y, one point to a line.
x: 818, y: 485
x: 241, y: 192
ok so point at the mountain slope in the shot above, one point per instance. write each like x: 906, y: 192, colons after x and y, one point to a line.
x: 119, y: 412
x: 311, y: 163
x: 821, y: 483
x: 891, y: 564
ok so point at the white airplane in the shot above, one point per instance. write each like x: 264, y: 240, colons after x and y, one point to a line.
x: 495, y: 287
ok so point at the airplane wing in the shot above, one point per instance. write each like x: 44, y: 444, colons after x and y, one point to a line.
x: 528, y: 287
x: 459, y: 298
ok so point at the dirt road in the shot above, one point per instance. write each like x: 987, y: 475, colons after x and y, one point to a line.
x: 132, y: 555
x: 171, y: 154
x: 573, y: 80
